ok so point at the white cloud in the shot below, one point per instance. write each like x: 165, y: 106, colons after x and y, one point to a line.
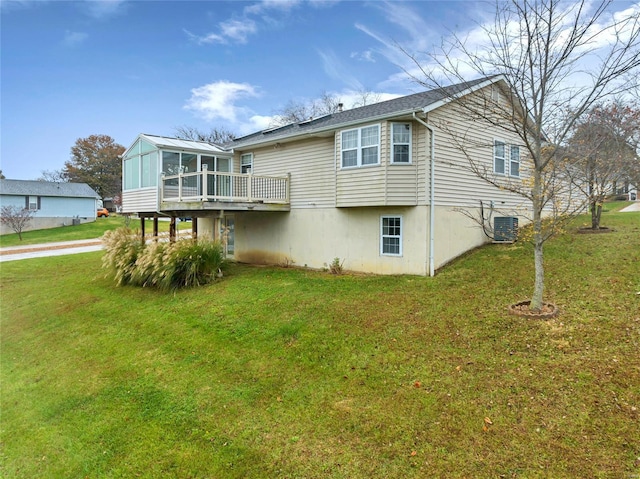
x: 264, y: 13
x: 366, y: 56
x: 354, y: 99
x: 265, y: 5
x: 72, y: 39
x: 7, y: 6
x: 219, y: 100
x: 238, y: 30
x: 334, y: 68
x: 257, y: 123
x: 104, y: 8
x: 228, y: 31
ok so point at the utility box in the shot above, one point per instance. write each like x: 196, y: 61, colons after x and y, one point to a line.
x: 505, y: 229
x: 75, y: 221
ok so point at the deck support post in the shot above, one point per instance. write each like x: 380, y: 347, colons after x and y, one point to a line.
x: 172, y: 230
x: 194, y: 228
x: 142, y: 222
x: 155, y: 228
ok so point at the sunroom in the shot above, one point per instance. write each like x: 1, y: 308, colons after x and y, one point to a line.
x: 175, y: 177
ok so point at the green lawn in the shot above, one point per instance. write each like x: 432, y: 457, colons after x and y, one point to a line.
x: 90, y: 230
x: 291, y: 373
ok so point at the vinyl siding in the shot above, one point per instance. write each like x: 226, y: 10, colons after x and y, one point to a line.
x: 55, y: 206
x: 140, y: 200
x: 310, y: 163
x: 406, y: 182
x: 458, y: 186
x: 385, y: 184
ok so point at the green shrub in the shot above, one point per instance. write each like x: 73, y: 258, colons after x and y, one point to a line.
x: 159, y: 264
x: 336, y: 266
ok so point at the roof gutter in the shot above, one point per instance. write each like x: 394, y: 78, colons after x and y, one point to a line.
x: 432, y: 184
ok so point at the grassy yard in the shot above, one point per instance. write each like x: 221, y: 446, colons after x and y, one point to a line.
x: 290, y: 373
x: 91, y: 230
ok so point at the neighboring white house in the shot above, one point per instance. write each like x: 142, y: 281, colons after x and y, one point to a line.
x: 53, y: 204
x: 380, y: 187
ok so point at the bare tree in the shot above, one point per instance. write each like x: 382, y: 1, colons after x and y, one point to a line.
x: 299, y: 111
x: 543, y: 49
x: 16, y: 218
x: 601, y: 152
x: 366, y: 98
x: 56, y: 176
x: 217, y: 136
x: 326, y: 104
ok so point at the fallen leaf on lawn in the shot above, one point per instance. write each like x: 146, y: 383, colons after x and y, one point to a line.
x: 413, y: 453
x: 417, y: 384
x: 488, y: 421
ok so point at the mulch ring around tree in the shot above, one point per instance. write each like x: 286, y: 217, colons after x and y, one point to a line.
x: 521, y: 309
x: 588, y: 230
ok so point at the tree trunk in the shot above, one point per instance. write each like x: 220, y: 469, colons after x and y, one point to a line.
x: 538, y: 242
x: 538, y: 257
x: 595, y: 216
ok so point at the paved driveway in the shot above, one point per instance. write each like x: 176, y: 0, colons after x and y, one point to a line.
x: 633, y: 207
x: 13, y: 253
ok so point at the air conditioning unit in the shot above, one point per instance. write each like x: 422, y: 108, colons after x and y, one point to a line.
x: 505, y: 229
x: 75, y: 221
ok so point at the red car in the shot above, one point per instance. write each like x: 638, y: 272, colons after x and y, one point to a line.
x: 102, y: 212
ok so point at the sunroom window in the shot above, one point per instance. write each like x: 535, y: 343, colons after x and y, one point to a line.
x: 140, y: 166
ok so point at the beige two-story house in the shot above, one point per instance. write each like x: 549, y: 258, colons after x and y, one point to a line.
x: 386, y: 187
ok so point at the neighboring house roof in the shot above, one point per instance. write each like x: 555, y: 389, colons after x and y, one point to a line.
x: 179, y: 144
x: 424, y: 101
x: 46, y: 188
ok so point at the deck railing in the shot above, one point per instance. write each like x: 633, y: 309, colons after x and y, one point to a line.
x: 218, y: 186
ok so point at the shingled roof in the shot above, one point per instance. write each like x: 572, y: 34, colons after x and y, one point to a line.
x: 386, y: 109
x: 46, y: 188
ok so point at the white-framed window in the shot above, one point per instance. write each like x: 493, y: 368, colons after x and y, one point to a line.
x: 401, y: 143
x: 391, y: 235
x: 495, y: 93
x: 360, y: 146
x: 33, y: 203
x: 499, y: 160
x: 246, y: 163
x: 514, y: 161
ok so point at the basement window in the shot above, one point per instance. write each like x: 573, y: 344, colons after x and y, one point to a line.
x: 391, y: 235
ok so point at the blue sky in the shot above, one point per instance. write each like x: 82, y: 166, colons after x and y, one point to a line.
x: 73, y: 69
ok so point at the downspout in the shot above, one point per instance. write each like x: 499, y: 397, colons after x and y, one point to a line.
x: 432, y: 184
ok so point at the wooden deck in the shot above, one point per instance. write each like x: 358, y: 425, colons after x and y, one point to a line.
x: 213, y: 190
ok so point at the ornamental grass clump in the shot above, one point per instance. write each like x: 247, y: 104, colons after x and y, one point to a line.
x: 162, y: 265
x: 122, y: 249
x: 150, y: 266
x: 188, y: 263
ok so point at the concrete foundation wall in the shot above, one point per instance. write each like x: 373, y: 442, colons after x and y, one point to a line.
x: 314, y: 237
